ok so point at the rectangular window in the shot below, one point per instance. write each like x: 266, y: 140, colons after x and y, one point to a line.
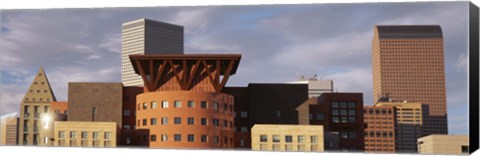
x: 351, y: 112
x: 216, y: 139
x: 320, y: 117
x: 276, y: 138
x: 177, y: 120
x: 190, y: 120
x: 164, y: 138
x: 279, y: 113
x: 343, y: 105
x: 225, y: 123
x: 334, y: 104
x: 314, y: 139
x: 164, y: 104
x: 301, y: 139
x: 343, y: 119
x: 153, y: 121
x: 191, y: 104
x: 351, y: 104
x: 288, y: 139
x: 343, y: 112
x: 243, y: 114
x: 144, y: 122
x: 215, y: 105
x: 352, y: 135
x: 61, y: 134
x: 177, y: 137
x: 191, y: 138
x: 351, y: 119
x: 73, y: 135
x: 153, y: 138
x: 154, y: 104
x: 225, y: 107
x: 344, y: 135
x: 204, y: 121
x: 334, y: 112
x: 244, y: 129
x: 126, y: 112
x: 335, y: 120
x: 95, y: 135
x: 263, y: 138
x: 242, y: 142
x: 145, y: 106
x: 177, y: 104
x: 108, y: 135
x: 84, y: 135
x: 203, y: 104
x: 204, y: 138
x: 164, y: 120
x: 215, y: 122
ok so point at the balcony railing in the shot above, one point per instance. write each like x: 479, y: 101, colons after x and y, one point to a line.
x: 25, y: 129
x: 35, y: 129
x: 26, y: 115
x: 37, y: 115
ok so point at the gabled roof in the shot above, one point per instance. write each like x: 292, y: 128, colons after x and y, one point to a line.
x: 40, y: 90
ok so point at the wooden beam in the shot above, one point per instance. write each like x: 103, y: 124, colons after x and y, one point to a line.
x: 184, y: 77
x: 142, y: 73
x: 226, y: 75
x: 193, y: 72
x: 175, y: 73
x: 217, y: 72
x: 210, y: 76
x: 159, y: 73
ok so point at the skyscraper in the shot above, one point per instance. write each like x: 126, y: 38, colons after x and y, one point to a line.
x: 35, y: 102
x: 145, y: 36
x: 408, y: 65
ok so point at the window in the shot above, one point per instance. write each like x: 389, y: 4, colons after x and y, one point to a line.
x: 177, y: 137
x: 203, y: 104
x: 288, y: 139
x: 191, y: 104
x: 177, y: 104
x: 204, y: 138
x: 263, y: 138
x: 352, y: 135
x: 164, y: 120
x: 243, y: 114
x: 215, y: 122
x: 164, y: 104
x: 153, y: 138
x: 215, y: 105
x: 343, y: 105
x: 320, y: 117
x: 191, y: 138
x: 126, y: 112
x: 164, y: 138
x: 276, y: 138
x: 351, y: 104
x: 145, y: 106
x: 73, y: 135
x: 153, y: 121
x: 343, y: 112
x: 95, y: 135
x: 177, y: 120
x: 216, y: 139
x: 279, y: 113
x: 225, y: 107
x: 244, y: 129
x: 335, y: 112
x: 351, y: 112
x: 301, y: 139
x: 343, y: 119
x: 203, y: 121
x: 465, y: 149
x: 335, y: 120
x: 242, y: 142
x: 190, y: 121
x: 351, y: 119
x: 225, y: 123
x: 144, y: 122
x: 84, y: 135
x: 108, y: 135
x: 61, y: 134
x: 154, y: 104
x: 344, y: 135
x: 334, y: 104
x: 314, y: 139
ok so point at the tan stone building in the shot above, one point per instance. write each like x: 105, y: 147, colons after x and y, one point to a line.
x: 81, y: 134
x: 287, y: 138
x: 443, y: 144
x: 409, y: 124
x: 408, y: 64
x: 35, y: 103
x: 8, y: 130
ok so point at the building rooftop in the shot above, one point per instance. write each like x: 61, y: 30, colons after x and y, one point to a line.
x: 409, y: 31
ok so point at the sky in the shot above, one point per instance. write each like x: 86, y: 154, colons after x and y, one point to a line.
x: 276, y: 42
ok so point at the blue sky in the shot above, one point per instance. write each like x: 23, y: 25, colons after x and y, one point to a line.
x: 276, y: 42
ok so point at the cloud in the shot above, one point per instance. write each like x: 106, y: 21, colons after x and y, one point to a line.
x: 462, y: 62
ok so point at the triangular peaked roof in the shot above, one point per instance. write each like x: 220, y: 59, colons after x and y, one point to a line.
x: 40, y: 90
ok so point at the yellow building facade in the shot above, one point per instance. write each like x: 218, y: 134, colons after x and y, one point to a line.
x: 287, y: 138
x: 81, y: 134
x: 443, y: 144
